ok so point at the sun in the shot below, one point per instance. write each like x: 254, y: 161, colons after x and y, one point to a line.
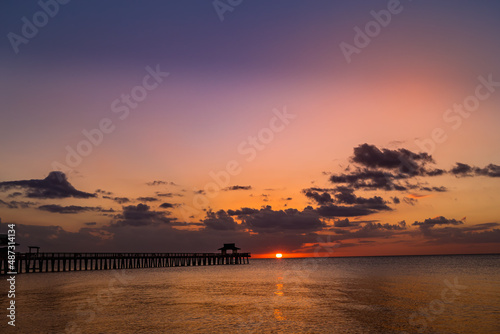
x: 279, y: 255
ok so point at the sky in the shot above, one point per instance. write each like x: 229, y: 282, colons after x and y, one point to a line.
x: 308, y: 128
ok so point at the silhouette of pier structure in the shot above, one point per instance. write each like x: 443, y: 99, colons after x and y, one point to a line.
x: 38, y: 262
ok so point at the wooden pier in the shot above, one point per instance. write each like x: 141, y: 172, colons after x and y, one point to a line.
x: 60, y: 262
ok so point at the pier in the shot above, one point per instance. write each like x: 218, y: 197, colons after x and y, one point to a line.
x: 61, y: 262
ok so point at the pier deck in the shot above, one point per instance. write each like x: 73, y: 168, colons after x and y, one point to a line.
x: 60, y: 262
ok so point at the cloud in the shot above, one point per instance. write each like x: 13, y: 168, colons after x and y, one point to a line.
x: 147, y: 199
x: 267, y: 220
x: 220, y: 221
x: 464, y: 170
x: 343, y: 223
x: 332, y: 210
x: 403, y: 160
x: 440, y: 234
x: 387, y: 169
x: 461, y: 169
x: 166, y: 205
x: 410, y: 200
x: 370, y: 229
x: 72, y: 209
x: 160, y: 183
x: 119, y: 200
x: 491, y: 170
x: 378, y: 226
x: 363, y: 178
x: 437, y: 189
x: 321, y: 199
x: 345, y: 195
x: 238, y: 188
x: 55, y: 185
x: 438, y: 221
x: 242, y: 211
x: 104, y: 192
x: 141, y: 215
x: 345, y: 203
x: 160, y: 194
x: 17, y: 204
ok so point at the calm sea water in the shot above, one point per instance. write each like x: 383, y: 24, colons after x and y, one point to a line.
x: 431, y: 294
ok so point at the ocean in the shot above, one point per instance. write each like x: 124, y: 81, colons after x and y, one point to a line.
x: 408, y: 294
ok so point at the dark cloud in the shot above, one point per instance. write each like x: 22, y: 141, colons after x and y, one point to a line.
x: 267, y: 220
x: 378, y: 226
x: 17, y: 204
x: 104, y: 192
x: 15, y: 194
x: 464, y: 170
x: 55, y: 185
x: 120, y: 200
x: 167, y: 205
x: 242, y: 212
x: 238, y: 188
x: 321, y: 189
x: 461, y: 169
x: 345, y: 195
x: 440, y: 234
x: 364, y: 178
x: 370, y: 229
x: 345, y: 203
x: 141, y: 215
x: 147, y: 199
x: 395, y: 200
x: 160, y: 183
x: 321, y: 199
x: 387, y: 169
x: 401, y: 159
x: 437, y: 189
x: 220, y: 221
x: 491, y: 170
x: 91, y: 223
x: 72, y: 209
x: 410, y: 200
x: 343, y: 223
x: 438, y: 221
x: 480, y: 227
x: 160, y: 194
x: 332, y: 210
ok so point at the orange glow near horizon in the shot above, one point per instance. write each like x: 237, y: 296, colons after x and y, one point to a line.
x: 279, y: 255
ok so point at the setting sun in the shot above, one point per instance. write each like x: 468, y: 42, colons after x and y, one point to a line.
x: 279, y: 255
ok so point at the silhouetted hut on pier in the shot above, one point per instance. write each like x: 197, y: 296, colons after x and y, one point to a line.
x: 223, y: 250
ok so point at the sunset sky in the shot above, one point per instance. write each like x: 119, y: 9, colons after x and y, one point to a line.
x: 309, y: 128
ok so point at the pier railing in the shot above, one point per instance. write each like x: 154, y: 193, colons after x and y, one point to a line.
x: 60, y: 262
